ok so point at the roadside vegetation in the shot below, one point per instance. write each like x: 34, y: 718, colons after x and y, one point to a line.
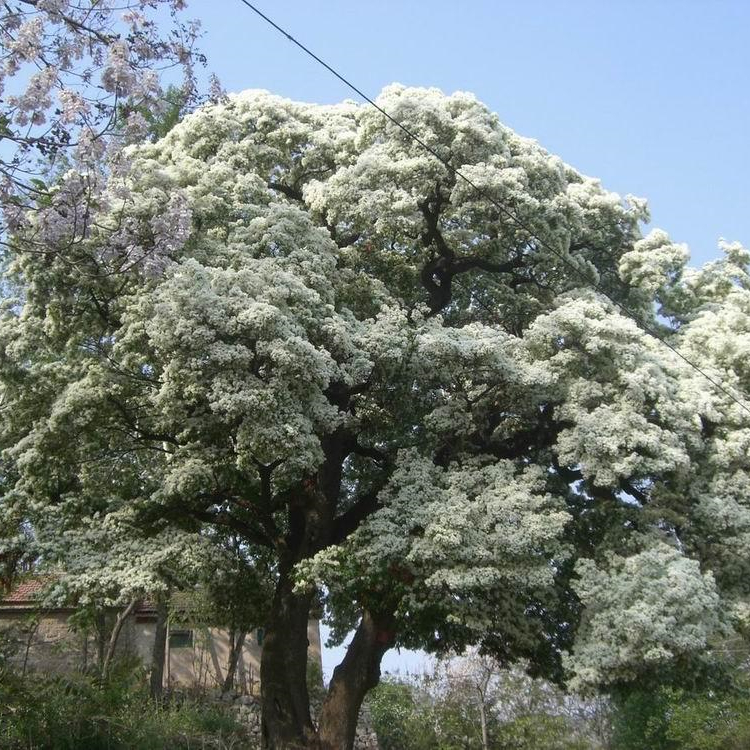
x: 80, y: 712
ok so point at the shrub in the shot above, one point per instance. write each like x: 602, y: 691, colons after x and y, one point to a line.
x: 77, y: 712
x: 671, y: 718
x: 391, y: 706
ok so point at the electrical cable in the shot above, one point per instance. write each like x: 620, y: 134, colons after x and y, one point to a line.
x: 500, y: 207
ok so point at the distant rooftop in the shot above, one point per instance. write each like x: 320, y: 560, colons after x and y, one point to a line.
x: 26, y: 591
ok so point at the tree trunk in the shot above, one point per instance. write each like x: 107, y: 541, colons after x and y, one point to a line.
x: 113, y: 638
x: 237, y: 640
x: 483, y: 720
x: 358, y: 672
x: 33, y: 627
x: 285, y: 721
x: 482, y: 689
x: 159, y: 651
x: 101, y: 638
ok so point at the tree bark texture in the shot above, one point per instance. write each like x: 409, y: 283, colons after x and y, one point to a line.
x: 33, y: 627
x: 101, y: 638
x: 483, y: 721
x: 358, y: 672
x: 286, y: 723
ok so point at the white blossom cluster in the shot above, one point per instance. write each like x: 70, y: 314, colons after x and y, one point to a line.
x: 107, y: 562
x: 645, y: 608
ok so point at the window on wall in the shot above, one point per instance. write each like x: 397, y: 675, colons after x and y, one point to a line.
x: 259, y: 636
x: 180, y: 639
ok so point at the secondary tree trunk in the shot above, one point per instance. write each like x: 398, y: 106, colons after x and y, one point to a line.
x: 286, y: 722
x: 357, y: 673
x: 159, y: 651
x: 237, y: 640
x: 483, y: 721
x: 33, y: 627
x: 101, y: 638
x: 115, y: 635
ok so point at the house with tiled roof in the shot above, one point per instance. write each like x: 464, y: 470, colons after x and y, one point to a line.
x: 49, y: 641
x: 45, y: 637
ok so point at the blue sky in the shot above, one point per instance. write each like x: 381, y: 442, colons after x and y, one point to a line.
x: 651, y: 96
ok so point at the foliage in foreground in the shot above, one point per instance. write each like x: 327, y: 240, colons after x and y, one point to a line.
x: 442, y: 711
x: 678, y: 719
x: 76, y: 712
x: 404, y: 719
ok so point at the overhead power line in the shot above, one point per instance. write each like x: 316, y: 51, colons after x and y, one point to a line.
x: 500, y: 207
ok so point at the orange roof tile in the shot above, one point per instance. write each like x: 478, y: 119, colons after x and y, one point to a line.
x: 26, y: 591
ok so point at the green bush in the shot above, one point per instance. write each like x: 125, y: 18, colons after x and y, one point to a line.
x: 670, y: 718
x: 538, y: 732
x: 76, y: 712
x: 639, y: 720
x: 391, y: 708
x: 406, y: 717
x: 709, y: 722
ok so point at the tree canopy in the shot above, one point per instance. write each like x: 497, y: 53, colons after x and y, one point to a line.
x: 290, y: 322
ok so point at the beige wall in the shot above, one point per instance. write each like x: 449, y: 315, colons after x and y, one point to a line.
x: 205, y: 663
x: 47, y: 643
x: 56, y: 648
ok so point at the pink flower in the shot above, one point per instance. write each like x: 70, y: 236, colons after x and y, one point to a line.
x: 28, y: 42
x: 32, y: 105
x: 72, y: 106
x: 118, y: 75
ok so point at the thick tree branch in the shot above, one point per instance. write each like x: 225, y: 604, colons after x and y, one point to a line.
x: 467, y: 264
x: 265, y: 511
x: 350, y: 520
x: 369, y: 452
x: 340, y: 395
x: 437, y: 273
x: 631, y: 489
x: 226, y: 519
x: 567, y: 474
x: 135, y: 430
x: 290, y: 192
x: 341, y: 240
x: 523, y: 443
x: 358, y: 672
x: 115, y: 635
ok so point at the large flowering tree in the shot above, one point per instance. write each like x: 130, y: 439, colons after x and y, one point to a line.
x: 290, y: 322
